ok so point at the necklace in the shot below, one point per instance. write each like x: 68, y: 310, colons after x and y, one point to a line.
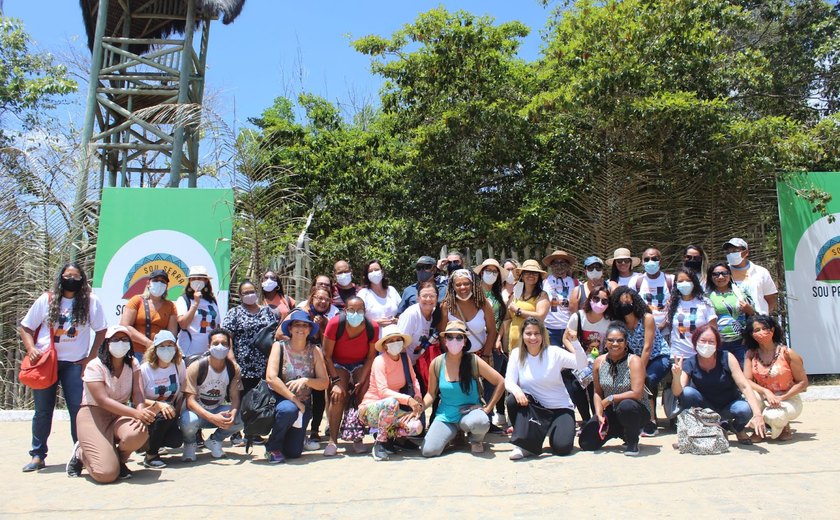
x: 772, y: 361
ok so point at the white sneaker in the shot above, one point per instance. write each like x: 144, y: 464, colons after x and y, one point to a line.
x: 310, y: 445
x: 215, y: 448
x: 189, y: 453
x: 518, y: 453
x: 500, y: 420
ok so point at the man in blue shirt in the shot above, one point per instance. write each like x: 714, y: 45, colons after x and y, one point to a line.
x: 425, y: 267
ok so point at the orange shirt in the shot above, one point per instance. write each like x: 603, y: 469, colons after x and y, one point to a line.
x: 160, y: 317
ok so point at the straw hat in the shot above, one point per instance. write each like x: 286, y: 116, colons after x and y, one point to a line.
x: 559, y: 255
x: 531, y: 266
x: 622, y: 253
x: 199, y: 271
x: 491, y: 261
x: 457, y: 327
x: 390, y: 332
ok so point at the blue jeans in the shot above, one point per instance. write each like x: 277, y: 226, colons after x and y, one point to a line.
x: 738, y: 412
x: 737, y: 348
x: 191, y: 423
x: 555, y: 337
x: 284, y: 437
x: 70, y: 377
x: 656, y: 371
x: 500, y: 362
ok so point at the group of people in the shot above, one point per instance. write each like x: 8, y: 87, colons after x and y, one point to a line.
x: 419, y: 370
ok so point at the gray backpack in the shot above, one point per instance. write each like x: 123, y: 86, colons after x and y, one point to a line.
x: 699, y: 432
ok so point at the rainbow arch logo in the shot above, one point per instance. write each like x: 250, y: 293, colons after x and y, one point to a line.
x: 135, y: 279
x: 828, y: 261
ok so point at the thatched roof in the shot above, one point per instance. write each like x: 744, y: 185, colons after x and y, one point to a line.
x: 143, y: 26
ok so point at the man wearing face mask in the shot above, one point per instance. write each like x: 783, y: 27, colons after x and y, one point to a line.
x: 344, y: 287
x: 752, y: 278
x: 654, y: 286
x: 454, y: 260
x: 425, y: 268
x: 211, y: 381
x: 559, y: 286
x: 147, y: 314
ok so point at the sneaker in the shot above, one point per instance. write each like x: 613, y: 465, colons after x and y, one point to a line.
x: 477, y: 447
x: 517, y: 453
x: 632, y: 449
x: 36, y: 464
x: 379, y: 452
x: 389, y: 446
x: 331, y: 450
x: 236, y: 440
x: 199, y: 439
x: 649, y: 430
x: 311, y: 445
x: 500, y: 420
x: 275, y: 457
x: 153, y: 461
x: 74, y: 465
x: 215, y: 448
x: 189, y: 453
x: 359, y: 447
x: 125, y: 473
x: 257, y: 440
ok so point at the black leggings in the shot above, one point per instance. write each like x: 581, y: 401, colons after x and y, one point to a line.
x: 319, y: 404
x: 624, y: 422
x: 561, y: 433
x: 164, y: 432
x: 582, y: 397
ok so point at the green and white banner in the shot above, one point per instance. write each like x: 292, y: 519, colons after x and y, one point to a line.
x: 811, y: 246
x: 143, y: 229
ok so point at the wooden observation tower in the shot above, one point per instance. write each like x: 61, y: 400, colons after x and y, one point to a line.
x: 146, y: 87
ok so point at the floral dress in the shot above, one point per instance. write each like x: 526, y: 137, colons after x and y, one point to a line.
x: 244, y: 326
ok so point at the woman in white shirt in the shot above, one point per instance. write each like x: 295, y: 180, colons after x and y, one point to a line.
x: 533, y: 378
x: 381, y: 299
x: 688, y: 310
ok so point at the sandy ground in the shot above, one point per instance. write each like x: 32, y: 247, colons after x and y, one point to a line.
x: 796, y: 479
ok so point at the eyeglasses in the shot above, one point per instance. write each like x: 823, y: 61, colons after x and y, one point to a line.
x: 67, y: 277
x: 693, y: 257
x: 720, y: 274
x: 456, y: 337
x: 558, y: 263
x: 594, y: 267
x: 605, y: 301
x: 622, y: 260
x: 617, y: 341
x: 651, y: 259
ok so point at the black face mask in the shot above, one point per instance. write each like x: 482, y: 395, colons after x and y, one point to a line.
x: 70, y: 284
x: 694, y: 265
x: 623, y: 309
x: 453, y: 266
x: 424, y: 275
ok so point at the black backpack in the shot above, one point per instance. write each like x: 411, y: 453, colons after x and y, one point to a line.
x: 257, y: 410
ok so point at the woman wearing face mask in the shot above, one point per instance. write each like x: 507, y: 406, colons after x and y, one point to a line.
x: 620, y: 404
x: 244, y: 322
x: 64, y: 318
x: 688, y: 310
x: 492, y: 274
x: 776, y: 374
x: 454, y: 377
x: 163, y: 374
x: 732, y: 306
x: 463, y: 302
x: 272, y: 295
x: 381, y: 299
x: 621, y: 266
x: 534, y: 377
x: 531, y: 302
x: 559, y: 286
x: 713, y: 379
x: 198, y: 313
x: 393, y: 402
x: 695, y: 258
x: 587, y: 324
x: 141, y: 326
x: 594, y: 267
x: 349, y: 344
x: 644, y: 340
x: 296, y: 368
x: 110, y: 429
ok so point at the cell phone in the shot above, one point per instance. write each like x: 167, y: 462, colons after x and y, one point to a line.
x: 603, y: 429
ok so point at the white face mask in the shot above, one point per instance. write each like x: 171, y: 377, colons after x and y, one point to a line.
x: 119, y: 349
x: 219, y: 351
x: 375, y: 276
x: 594, y: 275
x: 394, y: 348
x: 166, y: 354
x: 685, y: 288
x: 269, y: 285
x: 464, y: 298
x: 734, y: 258
x: 197, y: 285
x: 344, y: 279
x: 705, y: 350
x: 249, y: 299
x: 489, y: 277
x: 157, y: 289
x: 509, y: 277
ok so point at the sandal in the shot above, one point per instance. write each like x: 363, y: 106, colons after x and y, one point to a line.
x: 477, y: 447
x: 743, y: 439
x: 786, y: 434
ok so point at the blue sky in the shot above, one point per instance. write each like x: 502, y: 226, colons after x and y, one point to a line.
x: 260, y: 55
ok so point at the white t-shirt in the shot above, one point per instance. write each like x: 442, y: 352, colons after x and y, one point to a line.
x: 689, y: 316
x: 376, y: 307
x: 413, y: 323
x: 540, y: 376
x: 163, y: 384
x: 655, y: 292
x: 196, y: 338
x: 72, y: 341
x: 589, y: 329
x: 476, y: 330
x: 624, y: 281
x: 758, y: 284
x: 558, y: 291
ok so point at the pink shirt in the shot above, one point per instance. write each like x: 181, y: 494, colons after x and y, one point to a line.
x: 117, y: 388
x: 387, y: 379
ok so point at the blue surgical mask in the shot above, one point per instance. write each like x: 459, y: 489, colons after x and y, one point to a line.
x: 355, y: 318
x: 652, y: 266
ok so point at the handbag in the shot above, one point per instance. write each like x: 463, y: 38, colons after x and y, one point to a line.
x: 264, y: 339
x: 257, y: 411
x: 699, y: 432
x: 43, y: 373
x: 531, y: 426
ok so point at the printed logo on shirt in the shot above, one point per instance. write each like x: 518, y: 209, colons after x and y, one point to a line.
x: 211, y: 397
x: 207, y: 324
x: 65, y: 326
x: 164, y: 391
x: 655, y: 302
x: 589, y: 339
x: 689, y: 325
x: 559, y: 295
x: 137, y: 276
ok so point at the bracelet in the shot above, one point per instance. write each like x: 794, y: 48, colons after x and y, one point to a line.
x: 335, y: 380
x: 518, y: 312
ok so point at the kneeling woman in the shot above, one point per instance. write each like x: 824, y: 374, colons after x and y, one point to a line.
x: 295, y: 368
x: 109, y: 429
x: 454, y: 375
x: 621, y: 407
x: 713, y: 379
x: 534, y: 378
x: 392, y: 384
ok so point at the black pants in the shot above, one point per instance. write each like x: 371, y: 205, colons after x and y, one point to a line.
x: 561, y: 433
x: 582, y: 397
x: 625, y: 422
x: 164, y: 432
x: 319, y: 404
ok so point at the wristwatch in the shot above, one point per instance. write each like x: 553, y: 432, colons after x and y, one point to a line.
x: 335, y: 380
x: 610, y: 399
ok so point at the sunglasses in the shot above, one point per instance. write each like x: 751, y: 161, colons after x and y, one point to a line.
x: 558, y: 263
x: 605, y: 301
x: 622, y: 260
x: 651, y: 259
x: 691, y: 257
x: 720, y: 274
x: 595, y: 267
x: 456, y: 337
